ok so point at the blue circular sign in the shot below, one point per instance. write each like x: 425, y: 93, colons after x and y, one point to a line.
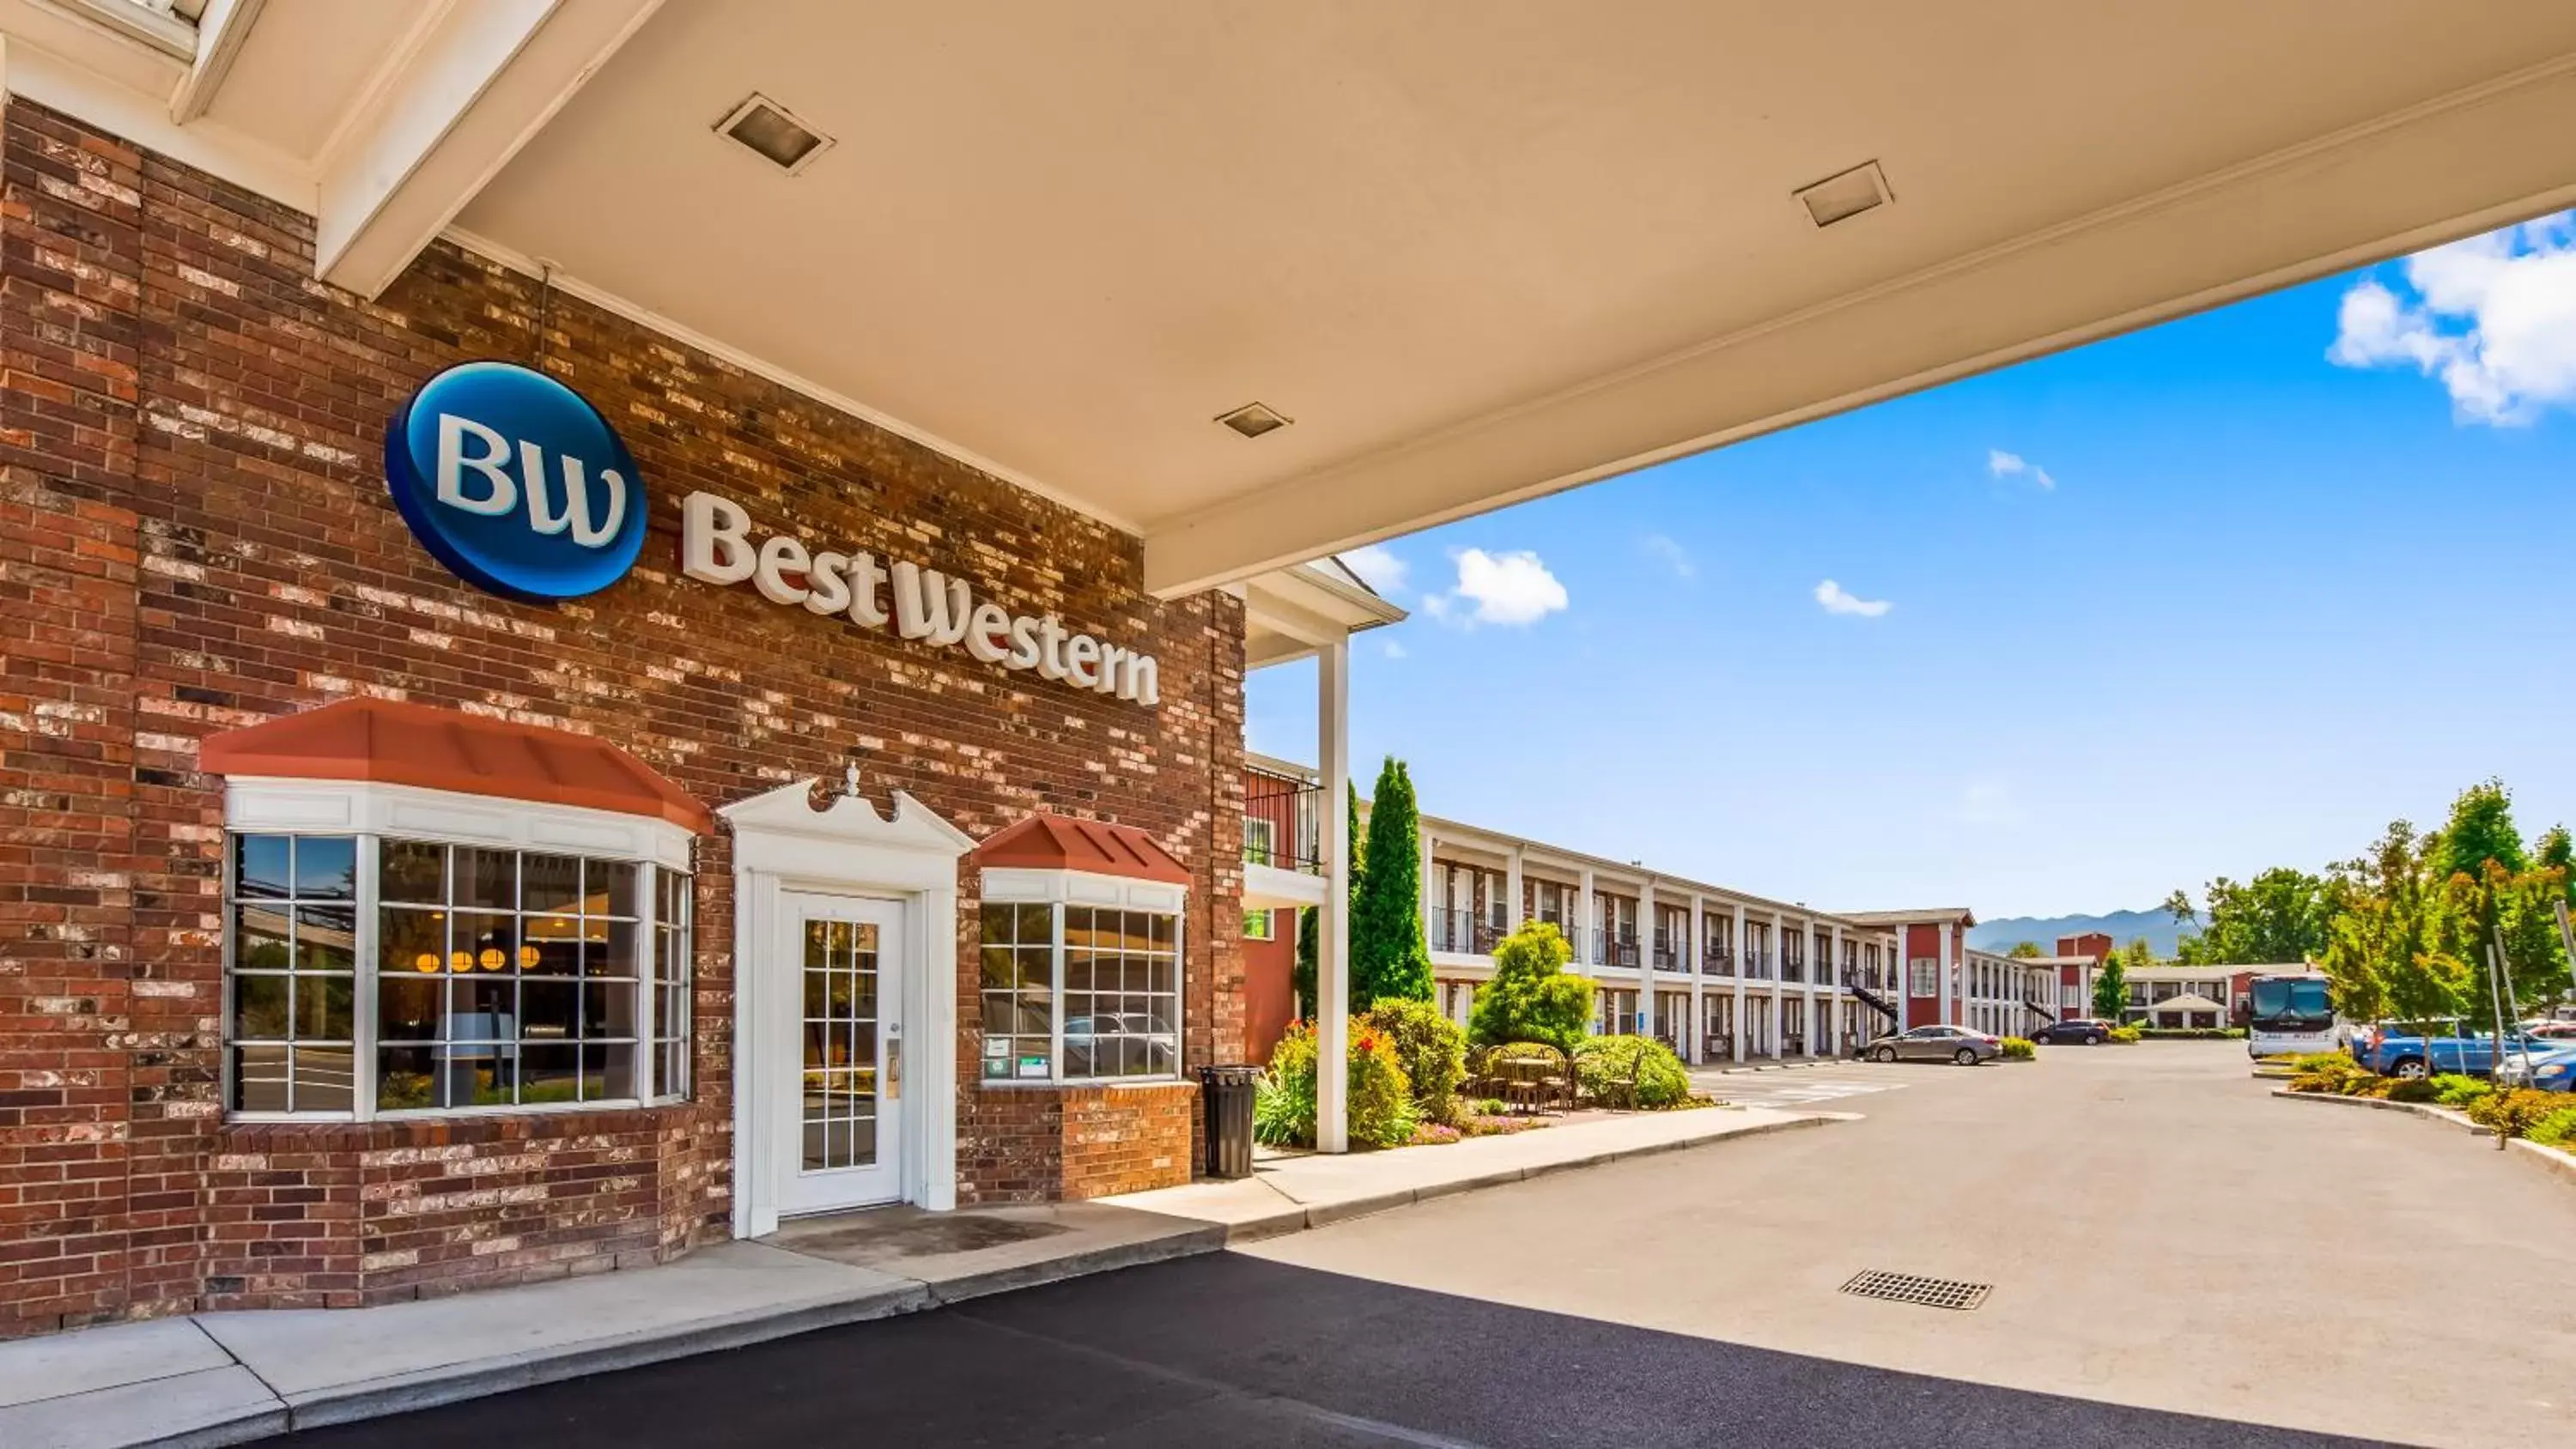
x: 516, y: 483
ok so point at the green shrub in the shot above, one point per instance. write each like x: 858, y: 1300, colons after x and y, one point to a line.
x: 2127, y: 1035
x: 2558, y: 1129
x: 2454, y: 1090
x: 2192, y: 1033
x: 1380, y: 1107
x: 1531, y: 997
x: 1630, y: 1072
x: 2321, y: 1061
x: 2414, y: 1089
x: 2019, y: 1049
x: 1431, y: 1049
x: 2516, y: 1112
x: 2329, y: 1075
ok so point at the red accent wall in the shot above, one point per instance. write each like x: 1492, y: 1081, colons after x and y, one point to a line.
x: 1269, y: 997
x: 1920, y: 940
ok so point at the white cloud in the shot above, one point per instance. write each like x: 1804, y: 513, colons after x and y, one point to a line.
x: 1670, y: 552
x: 1395, y: 649
x: 2000, y: 464
x: 2492, y: 318
x: 1839, y: 600
x: 1379, y: 565
x: 1497, y: 588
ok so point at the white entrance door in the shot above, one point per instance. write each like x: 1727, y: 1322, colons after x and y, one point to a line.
x: 841, y: 1094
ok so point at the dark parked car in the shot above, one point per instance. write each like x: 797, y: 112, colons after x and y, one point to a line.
x: 2080, y: 1030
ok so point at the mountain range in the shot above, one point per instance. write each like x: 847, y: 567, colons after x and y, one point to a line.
x: 2001, y: 933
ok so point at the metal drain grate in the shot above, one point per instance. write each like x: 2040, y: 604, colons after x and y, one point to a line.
x: 1909, y: 1288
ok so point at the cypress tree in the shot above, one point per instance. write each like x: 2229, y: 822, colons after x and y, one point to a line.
x: 1389, y: 957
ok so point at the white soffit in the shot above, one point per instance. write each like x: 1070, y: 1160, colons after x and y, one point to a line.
x: 1477, y: 262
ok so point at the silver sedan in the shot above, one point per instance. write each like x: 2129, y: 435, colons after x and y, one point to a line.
x: 1936, y: 1044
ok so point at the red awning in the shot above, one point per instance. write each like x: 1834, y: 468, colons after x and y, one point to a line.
x: 1058, y: 842
x: 439, y: 749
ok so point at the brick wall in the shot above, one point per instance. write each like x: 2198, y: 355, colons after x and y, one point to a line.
x: 194, y: 535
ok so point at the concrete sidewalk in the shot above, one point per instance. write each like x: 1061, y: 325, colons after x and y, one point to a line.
x: 223, y: 1378
x: 1289, y: 1193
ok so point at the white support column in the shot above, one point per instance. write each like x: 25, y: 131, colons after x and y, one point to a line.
x: 1513, y: 911
x: 1333, y: 924
x: 1815, y: 970
x: 1841, y: 998
x: 1434, y: 899
x: 1646, y: 957
x: 1737, y: 1025
x: 1587, y: 923
x: 1693, y: 956
x: 1779, y: 981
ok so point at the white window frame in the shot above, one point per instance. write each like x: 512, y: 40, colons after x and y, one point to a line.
x: 1923, y: 977
x: 1269, y: 923
x: 1014, y: 885
x: 373, y: 812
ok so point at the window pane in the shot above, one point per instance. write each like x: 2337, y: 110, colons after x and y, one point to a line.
x: 325, y: 1079
x: 550, y: 883
x: 482, y: 1008
x: 549, y: 1074
x: 549, y: 1009
x: 612, y: 949
x: 551, y: 946
x: 999, y: 972
x: 482, y: 944
x: 260, y: 941
x: 261, y: 865
x: 413, y: 871
x: 326, y: 938
x: 409, y: 1007
x: 996, y: 922
x: 487, y: 878
x: 610, y: 887
x: 403, y: 1082
x: 608, y: 1010
x: 322, y: 1007
x: 260, y: 1007
x: 326, y: 868
x: 608, y: 1072
x: 259, y: 1078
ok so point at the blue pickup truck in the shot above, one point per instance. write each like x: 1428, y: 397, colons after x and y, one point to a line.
x: 2423, y: 1049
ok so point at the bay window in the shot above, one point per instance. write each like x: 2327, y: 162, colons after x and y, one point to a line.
x: 381, y: 975
x: 1080, y: 993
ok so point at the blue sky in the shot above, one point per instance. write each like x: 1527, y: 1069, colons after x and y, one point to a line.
x: 2296, y: 567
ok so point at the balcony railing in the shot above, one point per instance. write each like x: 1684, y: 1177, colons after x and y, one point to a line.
x: 1716, y: 960
x: 1467, y: 931
x: 1757, y: 965
x: 1608, y: 950
x: 1793, y: 968
x: 1283, y: 823
x: 1668, y: 955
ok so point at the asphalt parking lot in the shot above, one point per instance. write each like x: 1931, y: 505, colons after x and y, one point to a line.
x: 2173, y: 1259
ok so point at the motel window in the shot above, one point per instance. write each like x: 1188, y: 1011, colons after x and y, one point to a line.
x: 1257, y: 926
x: 1077, y: 993
x: 1923, y: 976
x: 381, y: 976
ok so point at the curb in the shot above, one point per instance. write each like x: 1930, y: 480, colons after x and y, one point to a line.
x: 2425, y: 1110
x: 430, y: 1388
x: 2548, y: 1159
x: 343, y: 1404
x: 1315, y: 1215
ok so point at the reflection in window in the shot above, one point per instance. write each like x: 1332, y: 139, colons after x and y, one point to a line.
x: 501, y: 978
x: 292, y: 923
x: 1114, y: 1014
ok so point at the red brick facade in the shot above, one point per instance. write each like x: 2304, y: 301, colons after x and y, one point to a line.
x: 195, y: 535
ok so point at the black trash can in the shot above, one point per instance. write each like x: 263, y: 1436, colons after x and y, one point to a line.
x: 1227, y: 1094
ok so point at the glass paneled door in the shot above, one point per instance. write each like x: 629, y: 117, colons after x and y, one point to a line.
x: 841, y: 1113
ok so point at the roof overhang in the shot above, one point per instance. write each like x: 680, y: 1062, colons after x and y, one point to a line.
x: 1291, y: 612
x: 1473, y: 264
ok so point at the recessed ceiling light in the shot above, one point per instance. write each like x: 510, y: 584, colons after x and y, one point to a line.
x: 1254, y: 419
x: 1846, y: 195
x: 770, y: 129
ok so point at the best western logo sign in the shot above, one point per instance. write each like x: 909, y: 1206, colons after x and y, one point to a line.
x: 520, y: 487
x: 716, y: 546
x: 515, y: 483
